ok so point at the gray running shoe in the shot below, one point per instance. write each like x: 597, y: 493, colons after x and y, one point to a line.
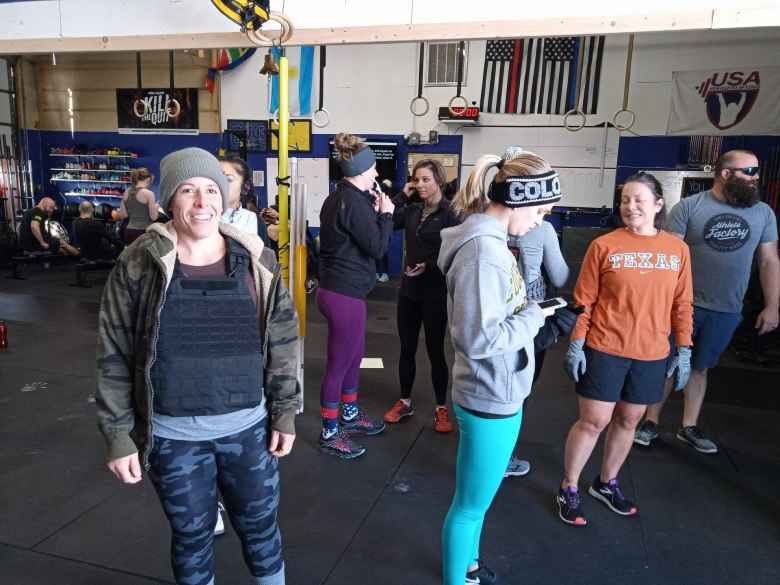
x: 696, y: 439
x: 646, y: 433
x: 517, y: 468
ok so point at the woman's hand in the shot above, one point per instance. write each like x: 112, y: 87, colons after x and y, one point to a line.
x: 127, y: 469
x: 281, y: 444
x: 416, y: 270
x: 385, y: 204
x: 409, y: 189
x: 574, y: 362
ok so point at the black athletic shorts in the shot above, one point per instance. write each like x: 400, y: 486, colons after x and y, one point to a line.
x: 611, y: 378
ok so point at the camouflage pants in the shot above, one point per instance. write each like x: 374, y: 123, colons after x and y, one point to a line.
x: 186, y: 475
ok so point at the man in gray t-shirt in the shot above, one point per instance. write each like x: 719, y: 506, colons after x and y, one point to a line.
x: 723, y: 228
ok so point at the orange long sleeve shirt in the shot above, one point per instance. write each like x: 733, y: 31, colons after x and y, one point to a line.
x: 635, y: 291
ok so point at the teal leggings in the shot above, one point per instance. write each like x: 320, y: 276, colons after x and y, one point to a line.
x: 484, y: 450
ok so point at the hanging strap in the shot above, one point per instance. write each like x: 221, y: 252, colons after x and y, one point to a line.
x: 321, y: 117
x: 631, y: 115
x: 322, y: 75
x: 420, y: 71
x: 420, y: 97
x: 458, y: 96
x: 461, y: 50
x: 170, y: 67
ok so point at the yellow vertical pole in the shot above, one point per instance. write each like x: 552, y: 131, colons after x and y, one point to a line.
x: 283, y: 199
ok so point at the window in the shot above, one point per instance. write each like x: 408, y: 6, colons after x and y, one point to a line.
x: 442, y: 63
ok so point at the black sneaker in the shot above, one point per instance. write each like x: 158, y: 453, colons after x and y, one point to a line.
x: 340, y: 445
x: 482, y: 576
x: 696, y: 439
x: 362, y: 424
x: 569, y: 507
x: 646, y: 433
x: 612, y: 496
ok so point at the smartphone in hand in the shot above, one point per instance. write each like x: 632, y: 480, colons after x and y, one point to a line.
x: 549, y: 306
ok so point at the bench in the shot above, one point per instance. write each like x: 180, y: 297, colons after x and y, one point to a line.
x: 17, y: 262
x: 84, y: 267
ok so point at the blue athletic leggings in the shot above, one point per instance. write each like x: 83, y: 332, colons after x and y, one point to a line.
x: 484, y: 450
x: 186, y: 474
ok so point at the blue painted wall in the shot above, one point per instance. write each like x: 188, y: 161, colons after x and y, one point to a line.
x: 670, y: 153
x: 152, y: 148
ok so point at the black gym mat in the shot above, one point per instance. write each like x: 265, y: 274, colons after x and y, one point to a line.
x: 63, y: 519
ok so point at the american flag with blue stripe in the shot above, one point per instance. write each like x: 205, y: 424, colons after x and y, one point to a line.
x: 539, y: 76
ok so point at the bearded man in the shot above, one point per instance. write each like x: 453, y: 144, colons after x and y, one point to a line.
x: 724, y: 228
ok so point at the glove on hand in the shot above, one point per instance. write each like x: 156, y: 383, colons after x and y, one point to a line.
x: 574, y: 361
x: 681, y: 363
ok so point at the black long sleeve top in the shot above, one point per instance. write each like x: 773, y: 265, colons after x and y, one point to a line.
x: 352, y: 237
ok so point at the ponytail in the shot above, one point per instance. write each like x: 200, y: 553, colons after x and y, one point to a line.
x: 472, y: 197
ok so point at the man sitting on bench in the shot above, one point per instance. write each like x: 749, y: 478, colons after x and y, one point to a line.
x: 33, y: 237
x: 94, y: 239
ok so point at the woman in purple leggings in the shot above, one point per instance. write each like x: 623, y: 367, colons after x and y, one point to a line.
x: 355, y: 229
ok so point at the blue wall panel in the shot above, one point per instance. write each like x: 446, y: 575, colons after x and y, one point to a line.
x: 152, y: 148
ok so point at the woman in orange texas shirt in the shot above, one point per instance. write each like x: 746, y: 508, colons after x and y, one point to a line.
x: 636, y: 287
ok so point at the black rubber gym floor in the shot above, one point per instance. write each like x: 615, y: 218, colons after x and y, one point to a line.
x: 65, y: 520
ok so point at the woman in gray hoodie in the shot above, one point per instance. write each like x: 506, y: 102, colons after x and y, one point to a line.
x: 492, y: 325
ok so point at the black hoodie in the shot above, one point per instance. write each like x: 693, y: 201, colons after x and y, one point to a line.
x: 352, y: 238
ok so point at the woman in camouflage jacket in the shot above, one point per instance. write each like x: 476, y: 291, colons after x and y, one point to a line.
x: 197, y: 372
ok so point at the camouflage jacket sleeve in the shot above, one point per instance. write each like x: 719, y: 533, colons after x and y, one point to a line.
x: 282, y: 392
x: 114, y: 396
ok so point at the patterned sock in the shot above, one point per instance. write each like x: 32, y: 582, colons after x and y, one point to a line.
x: 330, y: 420
x: 349, y: 410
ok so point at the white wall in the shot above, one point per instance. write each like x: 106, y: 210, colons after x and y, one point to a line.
x: 368, y: 89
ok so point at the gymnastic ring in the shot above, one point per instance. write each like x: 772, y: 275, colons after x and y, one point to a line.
x: 414, y: 101
x: 260, y: 38
x: 145, y: 108
x: 172, y: 106
x: 322, y: 122
x: 572, y: 127
x: 621, y: 127
x: 452, y: 110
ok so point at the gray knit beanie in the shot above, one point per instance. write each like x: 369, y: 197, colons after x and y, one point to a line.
x: 185, y: 164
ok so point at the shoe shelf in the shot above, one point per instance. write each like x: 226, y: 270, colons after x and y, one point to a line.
x: 88, y: 170
x: 61, y: 180
x: 76, y: 194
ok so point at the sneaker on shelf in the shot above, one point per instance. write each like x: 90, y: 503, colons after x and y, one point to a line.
x: 340, y: 445
x: 362, y: 424
x: 483, y: 575
x: 441, y: 420
x: 612, y: 496
x: 219, y: 528
x: 398, y: 411
x: 570, y: 507
x: 517, y: 468
x: 696, y: 439
x: 646, y: 433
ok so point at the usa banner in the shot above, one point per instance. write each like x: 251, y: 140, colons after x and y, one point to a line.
x: 728, y: 101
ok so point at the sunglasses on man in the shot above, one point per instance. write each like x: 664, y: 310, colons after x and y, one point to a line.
x: 749, y: 171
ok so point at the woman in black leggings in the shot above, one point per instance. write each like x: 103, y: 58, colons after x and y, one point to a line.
x: 423, y: 297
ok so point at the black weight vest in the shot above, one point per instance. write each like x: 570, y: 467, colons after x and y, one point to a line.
x: 209, y: 351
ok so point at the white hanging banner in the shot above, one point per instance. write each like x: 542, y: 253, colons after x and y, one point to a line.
x: 728, y: 101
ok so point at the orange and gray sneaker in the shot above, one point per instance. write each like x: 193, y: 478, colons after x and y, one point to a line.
x: 441, y: 418
x: 399, y: 410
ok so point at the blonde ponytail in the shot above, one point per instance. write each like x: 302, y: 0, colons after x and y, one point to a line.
x: 472, y: 197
